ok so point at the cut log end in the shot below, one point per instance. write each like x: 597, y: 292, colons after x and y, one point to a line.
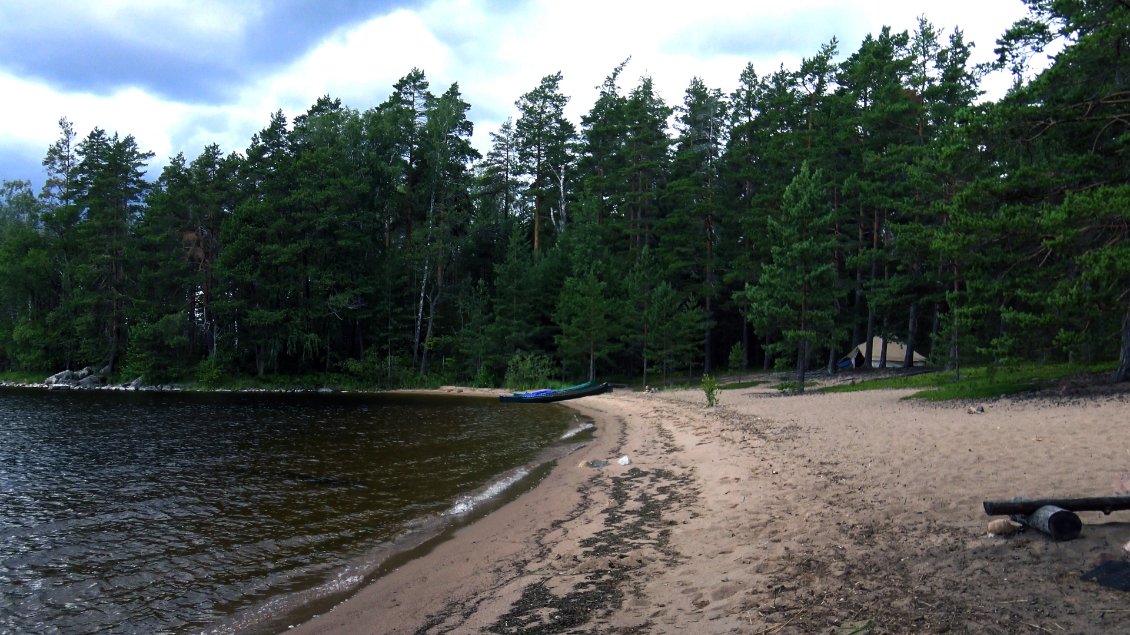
x: 1056, y: 522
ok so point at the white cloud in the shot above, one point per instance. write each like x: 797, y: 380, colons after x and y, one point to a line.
x: 129, y: 112
x: 149, y: 20
x: 357, y: 64
x: 194, y: 28
x: 496, y: 54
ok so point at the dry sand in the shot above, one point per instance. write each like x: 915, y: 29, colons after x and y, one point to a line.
x: 820, y: 513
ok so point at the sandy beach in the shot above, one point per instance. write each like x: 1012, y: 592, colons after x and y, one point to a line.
x: 820, y: 513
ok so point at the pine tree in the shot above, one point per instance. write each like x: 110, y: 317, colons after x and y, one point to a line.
x: 446, y: 152
x: 25, y: 289
x: 695, y: 218
x: 544, y: 136
x: 110, y: 187
x: 797, y: 291
x: 1060, y: 142
x: 647, y: 163
x: 884, y: 114
x: 260, y: 262
x: 586, y: 316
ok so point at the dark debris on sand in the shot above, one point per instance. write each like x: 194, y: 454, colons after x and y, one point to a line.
x: 634, y: 523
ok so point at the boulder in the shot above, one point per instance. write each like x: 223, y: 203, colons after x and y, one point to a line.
x: 90, y: 381
x: 60, y: 377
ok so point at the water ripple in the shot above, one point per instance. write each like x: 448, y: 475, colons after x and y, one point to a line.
x: 177, y: 513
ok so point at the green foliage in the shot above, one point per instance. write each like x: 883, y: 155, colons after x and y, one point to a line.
x: 542, y: 135
x: 209, y: 372
x: 29, y: 350
x: 792, y: 387
x: 527, y: 370
x: 484, y: 379
x: 586, y: 315
x: 737, y: 357
x: 710, y: 388
x: 822, y: 204
x: 663, y: 326
x: 797, y: 289
x: 22, y: 377
x: 980, y: 382
x: 153, y: 350
x: 738, y: 385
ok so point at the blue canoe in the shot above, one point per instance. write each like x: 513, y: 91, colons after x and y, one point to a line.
x: 560, y: 394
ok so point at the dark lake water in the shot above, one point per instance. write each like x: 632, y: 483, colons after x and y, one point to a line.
x: 188, y: 513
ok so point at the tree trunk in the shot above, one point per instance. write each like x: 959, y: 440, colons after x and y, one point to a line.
x: 745, y: 344
x: 935, y: 326
x: 537, y: 224
x: 857, y: 322
x: 883, y: 352
x: 911, y: 333
x: 1123, y: 372
x: 868, y: 348
x: 420, y: 315
x: 708, y: 353
x: 113, y: 360
x: 645, y: 356
x: 427, y: 338
x: 433, y: 307
x: 801, y: 363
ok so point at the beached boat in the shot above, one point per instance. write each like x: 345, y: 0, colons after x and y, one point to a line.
x: 560, y: 394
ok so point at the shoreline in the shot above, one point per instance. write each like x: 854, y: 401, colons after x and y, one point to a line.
x: 780, y: 514
x: 481, y: 557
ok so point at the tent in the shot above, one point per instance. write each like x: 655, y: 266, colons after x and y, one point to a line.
x: 896, y: 354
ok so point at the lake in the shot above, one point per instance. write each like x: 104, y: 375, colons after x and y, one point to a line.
x: 220, y: 513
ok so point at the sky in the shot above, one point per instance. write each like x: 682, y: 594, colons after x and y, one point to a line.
x: 181, y: 74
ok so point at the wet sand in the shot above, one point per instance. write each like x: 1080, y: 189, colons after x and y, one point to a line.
x: 820, y: 513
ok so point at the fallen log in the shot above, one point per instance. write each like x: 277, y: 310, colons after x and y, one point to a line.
x: 1059, y: 523
x: 1027, y: 506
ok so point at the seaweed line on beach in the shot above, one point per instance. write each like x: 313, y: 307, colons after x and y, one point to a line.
x: 441, y: 621
x: 634, y: 534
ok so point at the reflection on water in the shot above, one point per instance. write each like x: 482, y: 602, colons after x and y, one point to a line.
x: 172, y: 513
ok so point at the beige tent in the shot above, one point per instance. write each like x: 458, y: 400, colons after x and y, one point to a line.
x: 896, y: 354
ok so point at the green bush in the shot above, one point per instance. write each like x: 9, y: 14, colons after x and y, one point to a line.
x: 355, y: 368
x: 737, y: 357
x: 790, y: 387
x: 209, y: 372
x: 484, y: 378
x: 155, y: 349
x: 710, y: 387
x: 29, y: 340
x: 528, y: 370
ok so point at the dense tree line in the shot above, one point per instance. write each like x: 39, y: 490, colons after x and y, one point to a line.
x: 809, y: 210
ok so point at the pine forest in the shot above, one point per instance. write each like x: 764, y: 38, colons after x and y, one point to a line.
x: 866, y: 193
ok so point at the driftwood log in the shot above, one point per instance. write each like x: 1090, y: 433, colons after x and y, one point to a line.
x: 1027, y: 506
x: 1059, y: 523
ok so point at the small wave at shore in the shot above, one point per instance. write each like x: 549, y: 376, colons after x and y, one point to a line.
x: 468, y: 503
x: 280, y: 613
x: 572, y: 432
x: 270, y: 616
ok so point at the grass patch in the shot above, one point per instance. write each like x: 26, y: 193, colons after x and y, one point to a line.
x: 983, y: 382
x: 793, y: 387
x: 23, y: 377
x: 738, y: 385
